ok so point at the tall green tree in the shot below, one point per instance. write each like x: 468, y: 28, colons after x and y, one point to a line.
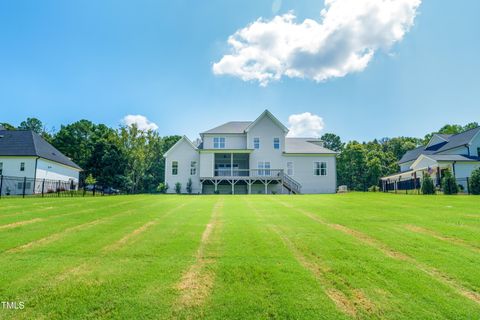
x: 332, y: 141
x: 32, y: 124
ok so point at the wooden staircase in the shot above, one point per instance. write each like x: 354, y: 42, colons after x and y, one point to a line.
x: 291, y: 185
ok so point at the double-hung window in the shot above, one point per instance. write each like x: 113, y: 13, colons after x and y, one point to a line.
x: 478, y: 151
x: 174, y: 168
x: 256, y: 143
x: 319, y: 168
x: 290, y: 168
x: 1, y: 168
x: 219, y: 142
x: 193, y: 168
x: 22, y: 166
x: 276, y: 143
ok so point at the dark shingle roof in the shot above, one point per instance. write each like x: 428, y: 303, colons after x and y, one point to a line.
x: 305, y: 145
x: 230, y: 127
x: 29, y: 143
x: 453, y: 141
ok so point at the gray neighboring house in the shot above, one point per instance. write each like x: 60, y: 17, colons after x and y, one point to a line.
x: 25, y: 154
x: 458, y: 153
x: 245, y: 157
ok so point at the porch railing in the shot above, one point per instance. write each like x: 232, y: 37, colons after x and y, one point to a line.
x: 260, y: 173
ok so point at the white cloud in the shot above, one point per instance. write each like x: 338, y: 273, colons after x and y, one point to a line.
x: 141, y: 121
x: 343, y: 41
x: 305, y: 125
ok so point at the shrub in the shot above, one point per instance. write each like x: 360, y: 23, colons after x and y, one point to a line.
x: 178, y: 188
x: 189, y: 186
x: 90, y: 180
x: 475, y: 182
x: 162, y: 187
x: 449, y: 183
x: 427, y: 185
x: 374, y: 189
x: 216, y: 192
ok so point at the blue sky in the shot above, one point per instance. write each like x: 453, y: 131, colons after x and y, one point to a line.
x: 61, y: 61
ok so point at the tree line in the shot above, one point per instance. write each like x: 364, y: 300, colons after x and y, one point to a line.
x: 132, y: 160
x: 126, y: 158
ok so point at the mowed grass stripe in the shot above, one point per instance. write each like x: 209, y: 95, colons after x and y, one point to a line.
x: 43, y: 229
x: 389, y: 252
x: 137, y: 232
x: 257, y: 277
x: 436, y: 235
x: 91, y: 272
x: 342, y: 302
x: 62, y: 211
x: 197, y: 282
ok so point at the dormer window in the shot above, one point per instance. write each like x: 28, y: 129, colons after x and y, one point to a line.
x: 219, y: 143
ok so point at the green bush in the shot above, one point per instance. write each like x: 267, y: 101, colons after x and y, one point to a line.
x: 475, y: 182
x: 178, y: 188
x: 189, y: 186
x: 216, y: 192
x: 427, y: 185
x: 449, y: 183
x: 162, y: 187
x: 374, y: 189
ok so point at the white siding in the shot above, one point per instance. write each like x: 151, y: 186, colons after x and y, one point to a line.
x: 184, y: 153
x: 206, y: 164
x: 232, y: 141
x: 405, y: 166
x: 303, y: 173
x: 266, y: 130
x: 460, y: 150
x: 475, y: 145
x: 464, y: 169
x: 50, y: 170
x: 11, y: 166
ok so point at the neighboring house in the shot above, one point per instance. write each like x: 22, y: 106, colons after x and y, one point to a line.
x: 242, y: 157
x: 458, y: 153
x: 25, y: 154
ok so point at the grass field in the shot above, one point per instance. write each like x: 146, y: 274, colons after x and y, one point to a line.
x: 241, y: 257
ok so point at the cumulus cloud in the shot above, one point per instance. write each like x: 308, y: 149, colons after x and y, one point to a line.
x: 305, y: 125
x: 342, y: 41
x: 141, y: 121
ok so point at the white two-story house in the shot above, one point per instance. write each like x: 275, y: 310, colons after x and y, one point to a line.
x: 457, y: 153
x: 244, y: 157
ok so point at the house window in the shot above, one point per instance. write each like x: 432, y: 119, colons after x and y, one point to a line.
x: 276, y: 143
x: 193, y: 168
x: 478, y: 151
x: 256, y: 143
x: 28, y: 185
x: 174, y: 168
x: 219, y: 143
x: 22, y: 166
x: 290, y: 168
x: 264, y: 168
x: 319, y: 168
x: 1, y: 168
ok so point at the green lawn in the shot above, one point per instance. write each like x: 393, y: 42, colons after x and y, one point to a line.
x: 241, y: 257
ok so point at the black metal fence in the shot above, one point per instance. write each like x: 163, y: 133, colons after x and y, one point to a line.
x: 23, y: 187
x: 412, y: 185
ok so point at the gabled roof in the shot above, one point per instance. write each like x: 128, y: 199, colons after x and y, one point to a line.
x: 182, y: 139
x: 231, y: 127
x: 460, y: 139
x: 305, y: 145
x: 267, y: 113
x: 452, y: 141
x: 29, y: 143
